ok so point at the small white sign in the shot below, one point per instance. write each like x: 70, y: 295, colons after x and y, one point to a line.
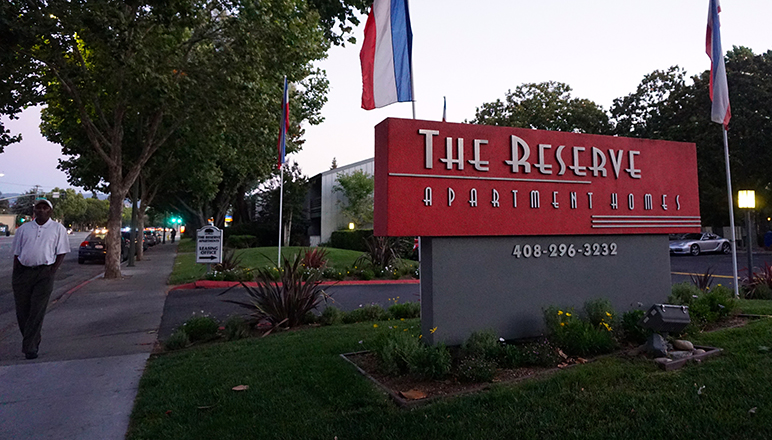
x: 209, y: 245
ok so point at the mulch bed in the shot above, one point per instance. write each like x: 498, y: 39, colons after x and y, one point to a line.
x: 408, y: 392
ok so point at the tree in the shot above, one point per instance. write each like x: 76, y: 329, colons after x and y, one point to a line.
x: 294, y: 215
x: 357, y: 188
x: 23, y: 203
x: 544, y: 106
x: 121, y: 79
x: 680, y: 112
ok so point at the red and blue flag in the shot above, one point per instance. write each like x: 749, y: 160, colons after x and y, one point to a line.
x: 282, y: 147
x: 386, y: 55
x: 719, y: 90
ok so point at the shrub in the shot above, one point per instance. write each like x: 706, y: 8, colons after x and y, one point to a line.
x: 236, y: 327
x: 714, y: 305
x: 581, y: 338
x: 540, y: 353
x: 759, y: 286
x: 704, y: 280
x: 511, y: 357
x: 229, y: 261
x: 315, y: 258
x: 331, y: 316
x: 201, y: 328
x: 351, y: 240
x: 243, y: 274
x: 285, y: 301
x: 406, y: 310
x: 334, y: 274
x: 431, y: 363
x: 599, y: 312
x: 179, y: 339
x: 474, y: 369
x: 366, y: 274
x: 396, y: 351
x: 381, y: 252
x: 684, y: 294
x: 631, y: 331
x: 242, y: 241
x: 482, y: 345
x: 370, y: 312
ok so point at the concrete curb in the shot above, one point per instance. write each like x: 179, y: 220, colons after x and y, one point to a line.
x: 204, y: 284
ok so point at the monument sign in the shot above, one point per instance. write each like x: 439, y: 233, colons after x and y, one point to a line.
x: 514, y: 220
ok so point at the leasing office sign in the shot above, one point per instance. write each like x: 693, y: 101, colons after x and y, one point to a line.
x: 440, y: 179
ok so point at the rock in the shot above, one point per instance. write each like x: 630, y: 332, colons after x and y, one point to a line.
x: 656, y: 346
x: 663, y: 360
x: 679, y: 354
x: 680, y: 344
x: 698, y: 351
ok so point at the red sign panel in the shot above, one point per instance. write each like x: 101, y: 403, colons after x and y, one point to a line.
x: 440, y: 179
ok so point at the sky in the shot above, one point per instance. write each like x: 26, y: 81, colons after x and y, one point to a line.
x: 474, y: 55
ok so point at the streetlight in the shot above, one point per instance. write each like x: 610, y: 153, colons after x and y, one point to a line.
x: 746, y: 199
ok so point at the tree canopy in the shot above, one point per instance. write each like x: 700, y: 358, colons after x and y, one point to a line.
x: 544, y: 106
x: 122, y: 79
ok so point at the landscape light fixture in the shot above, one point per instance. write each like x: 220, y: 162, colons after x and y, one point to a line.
x: 351, y: 226
x: 746, y: 199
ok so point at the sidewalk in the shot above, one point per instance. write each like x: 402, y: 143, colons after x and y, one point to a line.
x: 95, y: 345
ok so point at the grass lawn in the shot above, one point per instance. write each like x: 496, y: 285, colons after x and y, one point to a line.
x: 187, y: 270
x: 755, y: 307
x: 299, y: 388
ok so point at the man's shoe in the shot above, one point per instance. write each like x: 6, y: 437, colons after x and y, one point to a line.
x: 31, y: 355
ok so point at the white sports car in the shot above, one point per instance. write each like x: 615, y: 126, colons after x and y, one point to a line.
x: 697, y: 243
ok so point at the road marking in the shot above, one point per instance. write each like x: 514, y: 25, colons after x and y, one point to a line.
x: 700, y: 274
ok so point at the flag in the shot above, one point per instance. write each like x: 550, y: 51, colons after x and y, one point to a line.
x: 444, y: 108
x: 386, y: 55
x: 284, y: 123
x: 719, y: 90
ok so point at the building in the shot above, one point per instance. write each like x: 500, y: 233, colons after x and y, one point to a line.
x: 324, y: 203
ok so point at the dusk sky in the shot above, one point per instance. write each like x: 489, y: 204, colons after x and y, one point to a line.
x: 602, y: 49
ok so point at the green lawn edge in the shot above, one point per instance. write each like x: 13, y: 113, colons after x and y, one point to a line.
x: 186, y: 270
x: 299, y: 387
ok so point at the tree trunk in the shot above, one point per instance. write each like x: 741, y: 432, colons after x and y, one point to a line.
x: 113, y: 257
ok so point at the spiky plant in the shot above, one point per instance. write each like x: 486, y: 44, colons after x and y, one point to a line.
x: 284, y: 301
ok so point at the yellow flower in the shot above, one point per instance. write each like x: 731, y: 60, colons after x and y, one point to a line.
x: 608, y: 314
x: 562, y: 324
x: 568, y: 314
x: 375, y: 325
x: 560, y: 312
x: 420, y: 336
x: 433, y: 330
x: 404, y: 330
x: 401, y: 319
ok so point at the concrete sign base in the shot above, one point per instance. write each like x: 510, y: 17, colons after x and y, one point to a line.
x: 504, y: 283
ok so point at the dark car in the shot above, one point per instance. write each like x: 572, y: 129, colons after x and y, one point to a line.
x: 94, y: 247
x: 127, y: 238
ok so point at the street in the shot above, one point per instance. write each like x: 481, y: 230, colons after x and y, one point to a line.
x: 720, y: 264
x: 70, y: 274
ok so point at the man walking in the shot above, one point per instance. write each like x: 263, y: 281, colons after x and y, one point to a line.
x: 39, y: 247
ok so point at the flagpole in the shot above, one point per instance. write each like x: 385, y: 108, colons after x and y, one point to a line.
x: 731, y: 216
x: 281, y: 210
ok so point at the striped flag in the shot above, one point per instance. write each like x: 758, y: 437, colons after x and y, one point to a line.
x: 284, y: 123
x: 386, y: 55
x: 719, y: 90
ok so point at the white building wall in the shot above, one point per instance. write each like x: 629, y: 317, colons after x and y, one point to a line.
x: 332, y: 219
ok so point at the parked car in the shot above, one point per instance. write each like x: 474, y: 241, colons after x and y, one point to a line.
x: 697, y: 243
x: 94, y: 247
x: 151, y: 238
x: 127, y: 238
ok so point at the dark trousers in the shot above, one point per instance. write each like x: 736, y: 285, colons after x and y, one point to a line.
x: 32, y: 287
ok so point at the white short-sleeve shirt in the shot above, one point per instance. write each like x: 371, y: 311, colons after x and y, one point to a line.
x: 36, y: 244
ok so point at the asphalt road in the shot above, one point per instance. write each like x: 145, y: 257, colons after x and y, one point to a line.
x: 719, y: 264
x: 70, y: 274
